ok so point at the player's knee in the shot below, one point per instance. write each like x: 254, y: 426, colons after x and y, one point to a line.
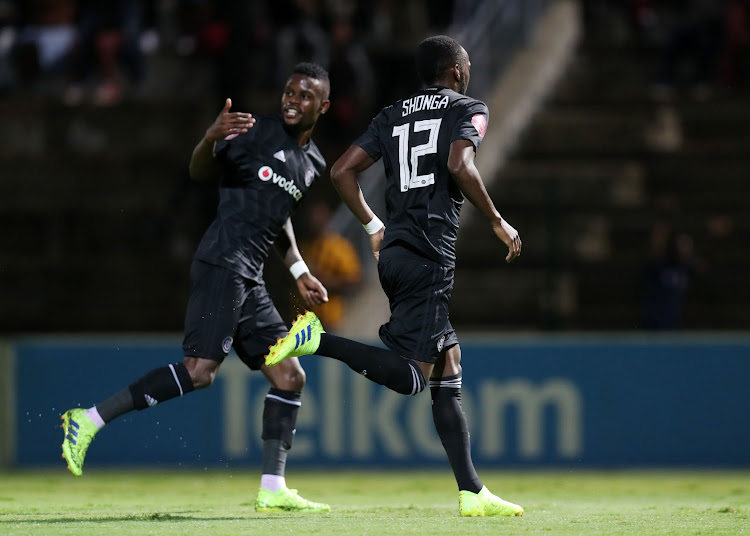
x: 452, y: 361
x: 202, y: 371
x: 289, y: 378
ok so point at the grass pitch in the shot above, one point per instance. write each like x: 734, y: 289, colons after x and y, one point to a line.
x: 212, y: 503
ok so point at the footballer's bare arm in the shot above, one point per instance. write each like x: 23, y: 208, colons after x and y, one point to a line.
x: 313, y: 292
x: 344, y: 175
x: 461, y: 166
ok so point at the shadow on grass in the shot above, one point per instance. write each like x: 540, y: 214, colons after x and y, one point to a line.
x: 155, y: 516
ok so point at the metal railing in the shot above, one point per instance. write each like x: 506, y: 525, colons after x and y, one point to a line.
x: 492, y: 32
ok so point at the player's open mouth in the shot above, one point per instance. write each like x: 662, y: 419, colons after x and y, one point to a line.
x: 291, y: 113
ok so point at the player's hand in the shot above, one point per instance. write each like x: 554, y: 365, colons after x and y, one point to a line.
x: 509, y: 236
x: 312, y: 291
x: 376, y: 239
x: 228, y: 124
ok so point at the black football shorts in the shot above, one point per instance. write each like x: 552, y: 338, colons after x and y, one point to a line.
x: 226, y: 311
x: 419, y: 292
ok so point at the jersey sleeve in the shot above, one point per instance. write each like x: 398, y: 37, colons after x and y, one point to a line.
x: 370, y: 140
x: 472, y: 123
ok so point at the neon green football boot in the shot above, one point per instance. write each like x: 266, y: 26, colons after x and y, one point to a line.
x: 79, y: 431
x: 485, y: 503
x: 302, y: 339
x: 286, y: 500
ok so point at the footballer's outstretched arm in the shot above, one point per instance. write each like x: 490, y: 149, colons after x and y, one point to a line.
x: 465, y: 173
x: 203, y: 165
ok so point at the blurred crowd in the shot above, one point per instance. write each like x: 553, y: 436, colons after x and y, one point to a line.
x: 100, y: 50
x: 702, y: 45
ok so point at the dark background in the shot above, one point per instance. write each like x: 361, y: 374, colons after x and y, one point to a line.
x: 629, y: 188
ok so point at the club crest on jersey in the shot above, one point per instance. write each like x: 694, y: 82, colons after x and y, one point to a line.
x: 480, y: 123
x: 309, y: 176
x: 226, y: 345
x: 266, y: 173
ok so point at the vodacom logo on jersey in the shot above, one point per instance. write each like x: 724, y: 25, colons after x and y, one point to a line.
x: 265, y: 173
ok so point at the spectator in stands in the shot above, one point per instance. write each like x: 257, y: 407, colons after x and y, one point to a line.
x: 690, y: 53
x: 735, y: 56
x: 109, y: 37
x: 353, y: 80
x: 334, y: 261
x: 667, y: 277
x: 302, y: 37
x: 45, y: 39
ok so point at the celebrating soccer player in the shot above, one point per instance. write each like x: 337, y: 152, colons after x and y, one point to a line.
x: 428, y: 143
x: 267, y: 164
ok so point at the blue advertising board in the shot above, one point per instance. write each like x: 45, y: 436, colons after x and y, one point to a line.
x: 541, y: 401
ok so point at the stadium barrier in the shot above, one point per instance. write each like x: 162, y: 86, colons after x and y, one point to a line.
x: 7, y: 405
x: 543, y: 401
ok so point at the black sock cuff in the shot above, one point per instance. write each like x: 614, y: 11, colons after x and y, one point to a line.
x: 449, y: 382
x: 285, y: 397
x: 280, y: 415
x: 183, y: 377
x: 418, y: 378
x: 160, y: 385
x: 326, y: 340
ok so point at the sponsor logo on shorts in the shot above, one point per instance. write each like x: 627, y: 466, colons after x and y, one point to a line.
x: 440, y: 343
x: 309, y: 176
x: 226, y: 345
x: 266, y: 173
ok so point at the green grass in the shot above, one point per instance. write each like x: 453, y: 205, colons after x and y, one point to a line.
x: 208, y: 503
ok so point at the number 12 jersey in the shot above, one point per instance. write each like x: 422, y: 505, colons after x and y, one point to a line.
x: 413, y: 137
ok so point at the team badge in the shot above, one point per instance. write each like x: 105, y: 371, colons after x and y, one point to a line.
x: 480, y: 123
x: 226, y: 344
x: 440, y: 343
x: 309, y: 176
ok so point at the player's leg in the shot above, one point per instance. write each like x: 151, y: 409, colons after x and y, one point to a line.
x: 450, y: 420
x: 408, y: 282
x: 280, y: 410
x: 260, y: 325
x: 474, y: 499
x: 159, y: 385
x: 208, y: 329
x: 382, y: 366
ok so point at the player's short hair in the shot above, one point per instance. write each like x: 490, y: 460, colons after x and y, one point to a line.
x: 437, y: 54
x: 315, y: 71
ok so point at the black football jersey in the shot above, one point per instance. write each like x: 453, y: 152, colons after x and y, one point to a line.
x: 413, y: 138
x: 265, y: 175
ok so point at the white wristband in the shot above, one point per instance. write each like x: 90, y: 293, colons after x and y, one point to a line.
x: 374, y: 226
x: 298, y: 268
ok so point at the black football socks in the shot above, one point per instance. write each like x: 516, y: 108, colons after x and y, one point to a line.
x: 159, y: 385
x: 279, y: 421
x: 384, y: 367
x: 450, y: 423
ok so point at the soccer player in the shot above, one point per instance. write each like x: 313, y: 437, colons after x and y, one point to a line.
x: 267, y: 164
x: 428, y: 143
